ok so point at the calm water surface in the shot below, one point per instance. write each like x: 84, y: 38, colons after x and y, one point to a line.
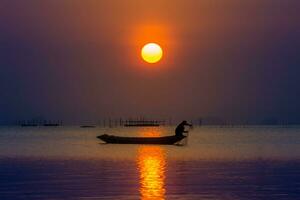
x: 217, y: 163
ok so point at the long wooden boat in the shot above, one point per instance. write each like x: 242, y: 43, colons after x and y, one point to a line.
x: 166, y: 140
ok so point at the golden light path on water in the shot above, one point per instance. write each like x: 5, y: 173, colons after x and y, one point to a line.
x: 151, y: 165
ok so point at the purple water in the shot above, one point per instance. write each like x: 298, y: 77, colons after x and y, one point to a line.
x: 217, y: 163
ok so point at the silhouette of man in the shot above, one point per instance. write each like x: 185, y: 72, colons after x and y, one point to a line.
x: 180, y: 128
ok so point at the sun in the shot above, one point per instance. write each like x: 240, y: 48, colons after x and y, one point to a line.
x: 151, y: 53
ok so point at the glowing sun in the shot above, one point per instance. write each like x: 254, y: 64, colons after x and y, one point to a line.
x: 151, y: 53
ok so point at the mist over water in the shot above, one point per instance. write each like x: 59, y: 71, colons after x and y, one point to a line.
x: 217, y: 163
x: 204, y: 143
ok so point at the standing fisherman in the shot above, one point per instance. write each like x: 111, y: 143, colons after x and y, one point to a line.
x: 180, y: 128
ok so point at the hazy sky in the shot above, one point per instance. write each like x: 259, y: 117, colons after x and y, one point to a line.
x: 79, y: 59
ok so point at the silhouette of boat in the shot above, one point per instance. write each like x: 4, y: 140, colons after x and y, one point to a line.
x: 87, y: 126
x: 166, y: 140
x: 142, y: 123
x: 51, y: 124
x: 128, y: 125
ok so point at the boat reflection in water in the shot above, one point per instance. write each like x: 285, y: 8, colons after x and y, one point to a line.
x: 151, y: 165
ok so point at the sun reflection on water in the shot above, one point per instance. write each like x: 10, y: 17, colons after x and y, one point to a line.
x: 151, y: 165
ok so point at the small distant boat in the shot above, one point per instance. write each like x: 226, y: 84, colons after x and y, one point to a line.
x: 87, y: 126
x: 166, y: 140
x: 142, y: 123
x: 129, y: 125
x: 51, y: 124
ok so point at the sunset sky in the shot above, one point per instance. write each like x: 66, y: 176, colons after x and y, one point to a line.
x: 80, y: 59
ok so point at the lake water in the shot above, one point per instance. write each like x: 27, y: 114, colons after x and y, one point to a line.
x: 216, y: 164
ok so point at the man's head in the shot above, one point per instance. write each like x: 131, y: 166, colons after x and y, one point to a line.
x: 184, y: 122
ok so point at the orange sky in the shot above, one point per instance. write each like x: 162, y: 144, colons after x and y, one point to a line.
x: 233, y: 59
